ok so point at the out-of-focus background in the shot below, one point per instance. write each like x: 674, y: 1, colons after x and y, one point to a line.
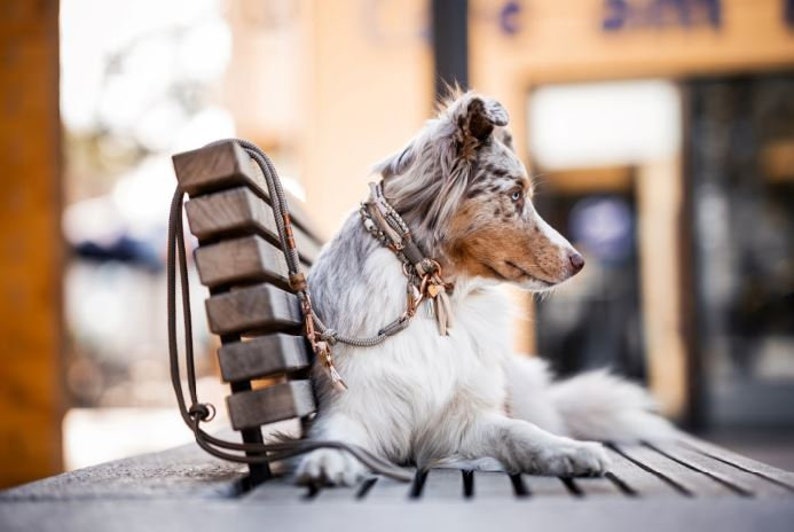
x: 661, y: 133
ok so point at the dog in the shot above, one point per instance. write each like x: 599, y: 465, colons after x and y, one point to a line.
x: 430, y: 399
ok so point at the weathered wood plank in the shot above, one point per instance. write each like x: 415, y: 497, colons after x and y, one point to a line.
x: 226, y: 165
x: 281, y: 513
x: 260, y: 308
x: 597, y: 487
x: 286, y: 400
x: 639, y: 481
x: 211, y: 168
x: 443, y: 484
x: 262, y: 357
x: 246, y: 259
x: 742, y: 481
x: 545, y: 486
x: 276, y: 491
x: 234, y: 211
x: 388, y: 490
x: 183, y: 473
x: 238, y: 211
x: 492, y: 485
x: 686, y: 480
x: 333, y: 494
x: 779, y: 476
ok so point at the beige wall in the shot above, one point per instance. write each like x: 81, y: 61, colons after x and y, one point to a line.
x: 331, y: 86
x: 368, y: 91
x: 562, y: 42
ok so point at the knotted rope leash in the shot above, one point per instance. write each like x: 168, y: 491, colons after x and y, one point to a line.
x: 320, y: 338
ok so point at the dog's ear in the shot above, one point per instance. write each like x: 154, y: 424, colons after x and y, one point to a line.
x: 398, y: 163
x: 475, y: 118
x: 482, y: 115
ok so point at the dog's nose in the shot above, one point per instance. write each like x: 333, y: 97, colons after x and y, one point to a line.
x: 577, y: 261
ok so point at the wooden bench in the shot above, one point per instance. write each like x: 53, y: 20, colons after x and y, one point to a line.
x: 653, y: 485
x: 251, y: 305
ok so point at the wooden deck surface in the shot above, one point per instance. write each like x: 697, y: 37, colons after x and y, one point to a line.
x: 653, y: 486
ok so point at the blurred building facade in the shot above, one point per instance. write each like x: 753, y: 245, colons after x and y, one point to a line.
x: 659, y: 132
x: 591, y: 62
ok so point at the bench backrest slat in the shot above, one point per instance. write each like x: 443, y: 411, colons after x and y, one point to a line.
x: 286, y: 400
x: 238, y: 211
x: 241, y: 260
x: 224, y: 166
x: 251, y: 306
x: 264, y: 356
x: 255, y: 309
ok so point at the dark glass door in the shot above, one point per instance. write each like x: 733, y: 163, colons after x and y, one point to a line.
x: 740, y: 177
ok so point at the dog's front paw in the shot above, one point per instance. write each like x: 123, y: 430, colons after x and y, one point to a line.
x: 330, y: 467
x: 569, y: 458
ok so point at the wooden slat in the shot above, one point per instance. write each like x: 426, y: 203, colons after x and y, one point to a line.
x: 689, y: 481
x: 443, y: 484
x: 493, y: 485
x: 741, y: 480
x: 281, y: 508
x: 260, y: 308
x: 246, y: 259
x: 638, y: 481
x: 226, y: 165
x: 597, y: 487
x: 238, y: 211
x: 372, y: 488
x: 178, y: 474
x: 545, y: 486
x: 277, y: 491
x: 254, y: 408
x: 233, y: 211
x: 333, y: 494
x: 216, y: 167
x: 779, y: 476
x: 262, y: 357
x: 388, y: 490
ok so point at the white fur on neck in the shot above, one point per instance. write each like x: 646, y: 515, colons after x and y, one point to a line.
x: 403, y: 386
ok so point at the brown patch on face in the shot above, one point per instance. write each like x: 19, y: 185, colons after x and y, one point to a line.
x: 504, y: 248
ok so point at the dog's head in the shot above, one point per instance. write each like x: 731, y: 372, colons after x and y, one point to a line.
x: 468, y: 199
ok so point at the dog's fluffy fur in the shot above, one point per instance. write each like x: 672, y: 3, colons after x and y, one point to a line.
x: 427, y: 399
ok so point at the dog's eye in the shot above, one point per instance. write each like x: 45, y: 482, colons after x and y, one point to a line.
x: 516, y: 195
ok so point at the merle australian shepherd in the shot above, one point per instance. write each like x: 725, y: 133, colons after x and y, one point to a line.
x: 429, y: 399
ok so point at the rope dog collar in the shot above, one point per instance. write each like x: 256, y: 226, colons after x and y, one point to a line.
x: 425, y: 284
x: 425, y: 281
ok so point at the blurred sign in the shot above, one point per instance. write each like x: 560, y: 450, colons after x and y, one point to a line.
x: 614, y: 123
x: 509, y: 17
x: 625, y: 14
x: 604, y: 227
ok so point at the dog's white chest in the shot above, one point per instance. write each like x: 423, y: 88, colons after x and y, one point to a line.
x: 429, y: 372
